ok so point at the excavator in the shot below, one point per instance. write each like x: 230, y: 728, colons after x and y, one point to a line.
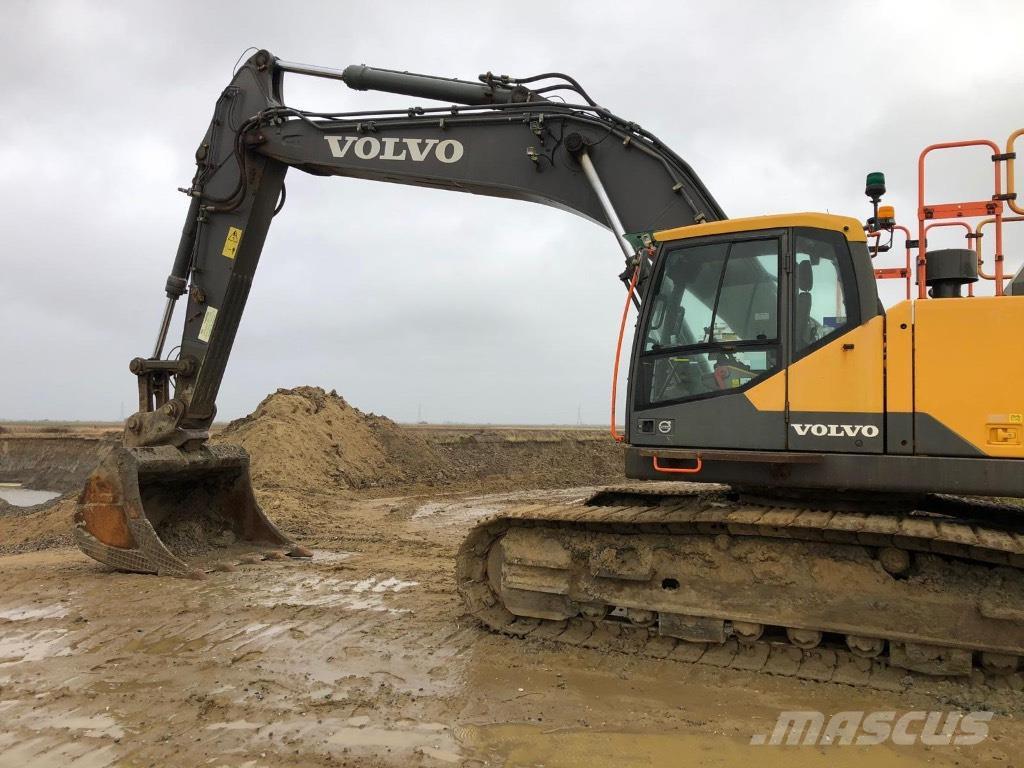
x: 816, y: 485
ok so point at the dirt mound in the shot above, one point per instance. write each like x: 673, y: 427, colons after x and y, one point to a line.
x: 51, y: 463
x: 510, y: 459
x: 27, y: 529
x: 308, y: 438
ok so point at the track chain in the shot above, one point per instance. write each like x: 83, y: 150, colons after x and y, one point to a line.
x: 708, y: 510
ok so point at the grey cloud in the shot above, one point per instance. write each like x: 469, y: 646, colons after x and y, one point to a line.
x: 471, y: 309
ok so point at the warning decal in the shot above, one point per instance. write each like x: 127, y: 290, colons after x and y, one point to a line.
x: 231, y: 242
x: 207, y: 327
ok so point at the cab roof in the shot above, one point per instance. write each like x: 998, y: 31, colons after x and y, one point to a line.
x: 849, y: 227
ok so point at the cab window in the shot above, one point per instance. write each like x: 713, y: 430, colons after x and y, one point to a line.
x: 820, y: 303
x: 714, y: 320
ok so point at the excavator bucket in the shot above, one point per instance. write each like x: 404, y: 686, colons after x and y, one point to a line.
x: 175, y: 513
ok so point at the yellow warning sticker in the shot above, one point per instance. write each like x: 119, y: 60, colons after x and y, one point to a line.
x: 231, y: 242
x: 1016, y: 418
x: 206, y: 329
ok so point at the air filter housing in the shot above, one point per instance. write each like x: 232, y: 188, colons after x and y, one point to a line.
x: 949, y: 269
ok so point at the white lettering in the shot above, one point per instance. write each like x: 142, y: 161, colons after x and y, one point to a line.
x: 842, y: 728
x: 394, y: 148
x: 367, y: 148
x: 449, y: 157
x: 930, y: 733
x: 900, y: 732
x: 417, y: 154
x: 876, y: 726
x: 795, y: 728
x: 836, y: 430
x: 870, y: 728
x: 389, y: 150
x: 975, y: 728
x: 337, y: 148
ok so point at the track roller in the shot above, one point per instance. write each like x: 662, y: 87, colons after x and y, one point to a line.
x: 747, y: 632
x: 804, y: 638
x: 865, y: 647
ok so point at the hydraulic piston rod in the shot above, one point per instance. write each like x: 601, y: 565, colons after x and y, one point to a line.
x: 360, y: 77
x: 609, y: 210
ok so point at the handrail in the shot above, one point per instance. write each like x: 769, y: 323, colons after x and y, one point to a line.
x: 1014, y: 206
x: 978, y: 240
x: 956, y: 210
x: 904, y: 272
x: 680, y: 470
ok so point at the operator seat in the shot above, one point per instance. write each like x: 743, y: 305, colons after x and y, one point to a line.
x: 802, y: 308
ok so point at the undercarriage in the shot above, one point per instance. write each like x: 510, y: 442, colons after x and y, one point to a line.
x: 931, y: 585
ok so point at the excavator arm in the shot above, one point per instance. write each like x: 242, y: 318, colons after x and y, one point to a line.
x: 496, y: 138
x: 156, y: 504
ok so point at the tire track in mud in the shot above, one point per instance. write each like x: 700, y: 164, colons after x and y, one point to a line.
x: 249, y: 633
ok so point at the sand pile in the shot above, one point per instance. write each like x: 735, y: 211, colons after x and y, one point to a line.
x: 308, y: 438
x: 27, y: 529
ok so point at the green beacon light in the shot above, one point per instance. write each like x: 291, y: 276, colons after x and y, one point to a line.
x: 874, y: 187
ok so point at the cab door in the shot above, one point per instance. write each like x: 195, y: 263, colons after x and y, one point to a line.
x: 836, y: 361
x: 712, y: 330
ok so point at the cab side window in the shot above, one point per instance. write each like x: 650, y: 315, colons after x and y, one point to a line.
x: 821, y: 277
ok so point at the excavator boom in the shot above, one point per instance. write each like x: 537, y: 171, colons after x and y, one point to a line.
x: 578, y: 158
x: 496, y: 137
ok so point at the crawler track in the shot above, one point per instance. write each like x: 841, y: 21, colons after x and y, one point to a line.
x: 701, y: 576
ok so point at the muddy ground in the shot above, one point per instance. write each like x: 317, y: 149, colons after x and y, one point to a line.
x: 362, y: 657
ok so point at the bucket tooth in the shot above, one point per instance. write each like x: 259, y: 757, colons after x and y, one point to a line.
x: 171, y: 512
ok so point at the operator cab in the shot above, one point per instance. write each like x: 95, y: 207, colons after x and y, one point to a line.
x: 731, y: 304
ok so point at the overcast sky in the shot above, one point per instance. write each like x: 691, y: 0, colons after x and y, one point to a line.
x: 420, y: 302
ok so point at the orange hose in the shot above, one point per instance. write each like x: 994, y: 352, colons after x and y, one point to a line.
x: 618, y: 351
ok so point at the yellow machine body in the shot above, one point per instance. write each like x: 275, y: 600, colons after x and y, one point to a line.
x: 927, y: 379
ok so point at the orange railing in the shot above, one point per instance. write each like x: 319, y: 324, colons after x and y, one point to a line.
x: 980, y: 250
x: 906, y: 271
x: 1010, y: 190
x: 928, y: 212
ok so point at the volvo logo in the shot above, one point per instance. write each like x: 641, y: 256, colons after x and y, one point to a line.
x: 665, y: 426
x: 417, y: 150
x: 836, y: 430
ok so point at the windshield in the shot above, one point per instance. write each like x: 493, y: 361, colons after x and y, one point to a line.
x: 716, y: 293
x: 714, y: 321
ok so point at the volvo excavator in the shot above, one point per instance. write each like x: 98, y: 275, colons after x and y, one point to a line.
x: 805, y: 468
